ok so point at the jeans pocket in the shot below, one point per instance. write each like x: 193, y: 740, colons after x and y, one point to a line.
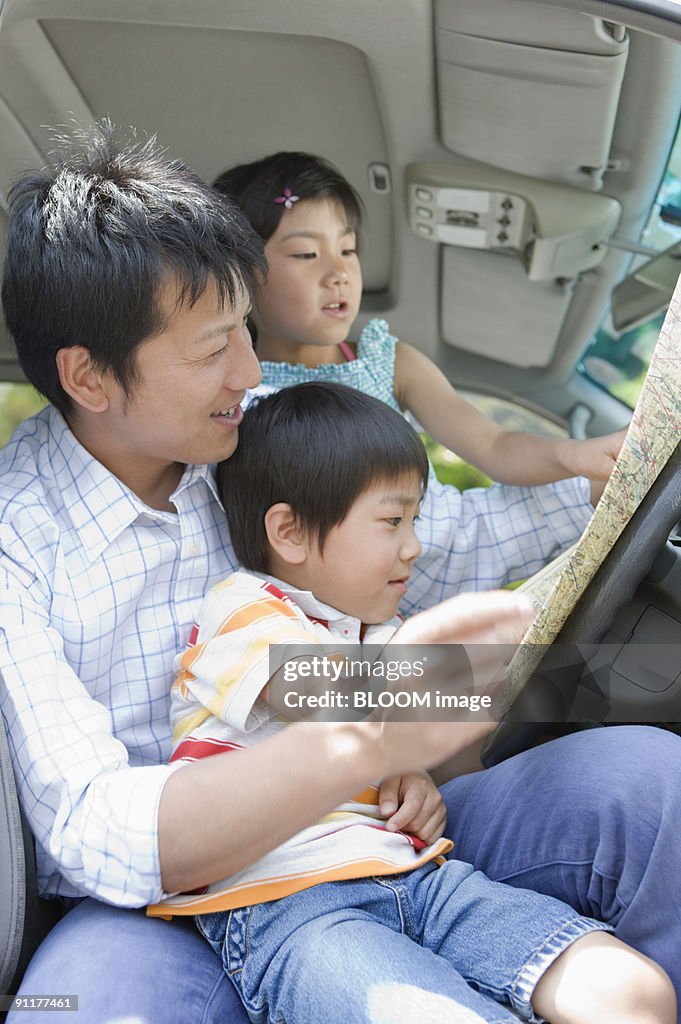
x: 242, y: 966
x: 236, y: 940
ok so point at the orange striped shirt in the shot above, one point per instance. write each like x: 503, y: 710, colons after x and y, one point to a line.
x: 216, y: 707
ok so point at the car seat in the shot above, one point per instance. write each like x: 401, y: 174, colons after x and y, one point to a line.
x: 24, y: 919
x: 13, y: 884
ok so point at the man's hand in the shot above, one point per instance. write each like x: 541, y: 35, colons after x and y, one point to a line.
x: 413, y: 803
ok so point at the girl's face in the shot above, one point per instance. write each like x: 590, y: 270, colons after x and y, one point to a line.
x: 314, y: 282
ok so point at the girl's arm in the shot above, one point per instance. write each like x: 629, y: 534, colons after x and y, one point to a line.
x: 511, y: 457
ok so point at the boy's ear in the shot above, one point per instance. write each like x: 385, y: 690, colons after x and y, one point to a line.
x: 285, y: 536
x: 81, y: 380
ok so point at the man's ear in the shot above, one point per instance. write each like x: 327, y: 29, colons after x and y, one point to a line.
x: 285, y: 536
x: 81, y: 380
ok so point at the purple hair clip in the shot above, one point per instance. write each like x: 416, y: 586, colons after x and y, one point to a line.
x: 288, y: 199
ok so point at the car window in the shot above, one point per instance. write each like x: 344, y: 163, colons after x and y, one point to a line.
x: 619, y: 362
x: 17, y: 401
x: 450, y: 469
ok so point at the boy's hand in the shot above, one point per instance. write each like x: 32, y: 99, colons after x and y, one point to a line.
x: 489, y: 622
x: 413, y: 803
x: 487, y: 619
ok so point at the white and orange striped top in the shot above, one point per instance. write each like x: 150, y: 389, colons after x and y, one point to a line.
x: 216, y: 707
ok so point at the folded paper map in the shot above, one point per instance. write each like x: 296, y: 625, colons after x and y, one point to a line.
x: 653, y: 435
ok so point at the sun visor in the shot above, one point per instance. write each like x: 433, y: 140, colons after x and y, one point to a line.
x: 533, y: 91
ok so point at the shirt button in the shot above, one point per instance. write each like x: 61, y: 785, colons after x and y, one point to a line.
x: 193, y: 550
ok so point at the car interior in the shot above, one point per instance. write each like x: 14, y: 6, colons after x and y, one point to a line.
x: 509, y: 154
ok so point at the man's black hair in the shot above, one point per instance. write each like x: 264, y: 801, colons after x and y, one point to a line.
x: 317, y: 447
x: 256, y: 186
x: 93, y: 239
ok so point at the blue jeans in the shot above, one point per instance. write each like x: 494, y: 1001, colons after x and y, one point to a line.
x: 415, y: 942
x: 593, y: 819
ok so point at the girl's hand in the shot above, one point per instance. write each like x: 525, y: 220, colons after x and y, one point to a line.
x: 413, y: 803
x: 595, y: 457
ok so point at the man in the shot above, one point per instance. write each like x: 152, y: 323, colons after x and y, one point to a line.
x: 126, y: 290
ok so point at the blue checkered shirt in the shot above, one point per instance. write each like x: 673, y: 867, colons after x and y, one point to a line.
x: 98, y: 593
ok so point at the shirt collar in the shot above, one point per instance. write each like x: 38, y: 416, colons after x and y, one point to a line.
x: 341, y: 625
x: 308, y: 603
x: 99, y: 505
x: 337, y: 622
x: 192, y: 474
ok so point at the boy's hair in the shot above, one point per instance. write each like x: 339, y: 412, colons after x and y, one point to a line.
x: 316, y: 447
x: 256, y: 186
x: 93, y: 238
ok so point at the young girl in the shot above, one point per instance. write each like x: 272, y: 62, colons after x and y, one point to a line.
x: 309, y: 217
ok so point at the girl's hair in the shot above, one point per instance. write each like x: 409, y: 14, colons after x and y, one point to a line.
x: 317, y: 447
x: 255, y: 187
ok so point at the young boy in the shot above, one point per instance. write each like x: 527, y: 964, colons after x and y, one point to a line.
x: 321, y: 497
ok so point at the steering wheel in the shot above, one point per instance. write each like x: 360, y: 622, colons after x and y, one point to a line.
x: 548, y: 694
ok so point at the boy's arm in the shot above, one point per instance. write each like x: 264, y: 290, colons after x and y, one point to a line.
x: 220, y: 814
x: 228, y: 669
x: 511, y: 457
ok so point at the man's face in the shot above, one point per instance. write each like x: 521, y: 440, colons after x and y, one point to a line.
x: 185, y: 405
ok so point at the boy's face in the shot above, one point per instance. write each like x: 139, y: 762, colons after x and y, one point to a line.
x: 366, y: 560
x: 314, y: 281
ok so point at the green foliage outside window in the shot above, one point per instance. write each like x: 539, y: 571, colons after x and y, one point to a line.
x: 17, y: 401
x: 450, y: 469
